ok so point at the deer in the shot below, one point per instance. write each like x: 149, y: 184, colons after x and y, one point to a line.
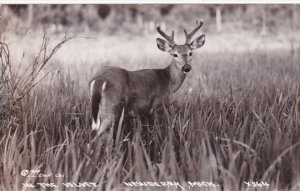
x: 116, y: 90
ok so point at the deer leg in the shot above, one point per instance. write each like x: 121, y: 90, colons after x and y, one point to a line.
x: 106, y: 123
x: 110, y: 112
x: 107, y: 115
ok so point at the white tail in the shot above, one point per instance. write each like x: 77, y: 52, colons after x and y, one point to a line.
x: 142, y: 90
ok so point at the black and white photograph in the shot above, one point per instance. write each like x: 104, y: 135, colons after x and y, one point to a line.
x: 141, y: 96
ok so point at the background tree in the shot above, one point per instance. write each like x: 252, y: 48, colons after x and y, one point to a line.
x: 263, y: 30
x: 137, y: 19
x: 218, y: 10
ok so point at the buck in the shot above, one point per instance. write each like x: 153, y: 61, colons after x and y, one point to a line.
x: 139, y: 92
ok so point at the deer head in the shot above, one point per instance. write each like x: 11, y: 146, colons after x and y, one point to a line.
x: 182, y: 54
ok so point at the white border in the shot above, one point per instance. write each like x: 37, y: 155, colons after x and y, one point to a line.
x: 149, y: 2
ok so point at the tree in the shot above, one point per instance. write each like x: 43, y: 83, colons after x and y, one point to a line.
x: 263, y: 20
x: 218, y: 10
x: 29, y: 16
x: 295, y: 17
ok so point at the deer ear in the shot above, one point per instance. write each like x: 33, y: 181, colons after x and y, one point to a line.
x: 198, y: 42
x: 163, y: 45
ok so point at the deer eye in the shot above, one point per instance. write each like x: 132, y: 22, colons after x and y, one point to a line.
x: 175, y: 55
x: 190, y: 54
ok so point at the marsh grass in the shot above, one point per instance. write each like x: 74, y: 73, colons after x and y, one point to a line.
x: 234, y: 120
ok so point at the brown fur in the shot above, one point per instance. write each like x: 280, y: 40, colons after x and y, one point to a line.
x: 139, y: 92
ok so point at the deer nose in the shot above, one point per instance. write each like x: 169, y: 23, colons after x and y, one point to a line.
x: 186, y: 68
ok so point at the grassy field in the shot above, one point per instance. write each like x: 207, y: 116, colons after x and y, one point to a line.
x: 236, y: 119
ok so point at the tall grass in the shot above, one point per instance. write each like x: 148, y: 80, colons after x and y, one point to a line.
x: 234, y: 120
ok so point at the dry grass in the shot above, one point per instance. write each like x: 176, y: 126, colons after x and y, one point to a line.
x: 239, y: 122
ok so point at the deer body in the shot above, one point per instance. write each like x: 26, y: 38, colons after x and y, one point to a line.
x: 139, y: 92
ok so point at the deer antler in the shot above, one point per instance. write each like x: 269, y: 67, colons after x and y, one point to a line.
x: 190, y: 35
x: 170, y: 39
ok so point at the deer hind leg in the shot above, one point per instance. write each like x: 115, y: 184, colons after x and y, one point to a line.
x: 96, y: 99
x: 98, y: 105
x: 107, y: 116
x: 109, y: 109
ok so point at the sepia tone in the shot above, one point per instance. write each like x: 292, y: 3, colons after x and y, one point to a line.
x: 234, y: 123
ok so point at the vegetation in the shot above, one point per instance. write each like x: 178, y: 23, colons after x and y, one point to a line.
x: 139, y: 19
x: 236, y: 118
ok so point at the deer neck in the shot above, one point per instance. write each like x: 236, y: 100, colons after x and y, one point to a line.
x: 176, y: 76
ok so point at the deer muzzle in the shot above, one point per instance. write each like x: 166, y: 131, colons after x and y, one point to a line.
x: 186, y: 68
